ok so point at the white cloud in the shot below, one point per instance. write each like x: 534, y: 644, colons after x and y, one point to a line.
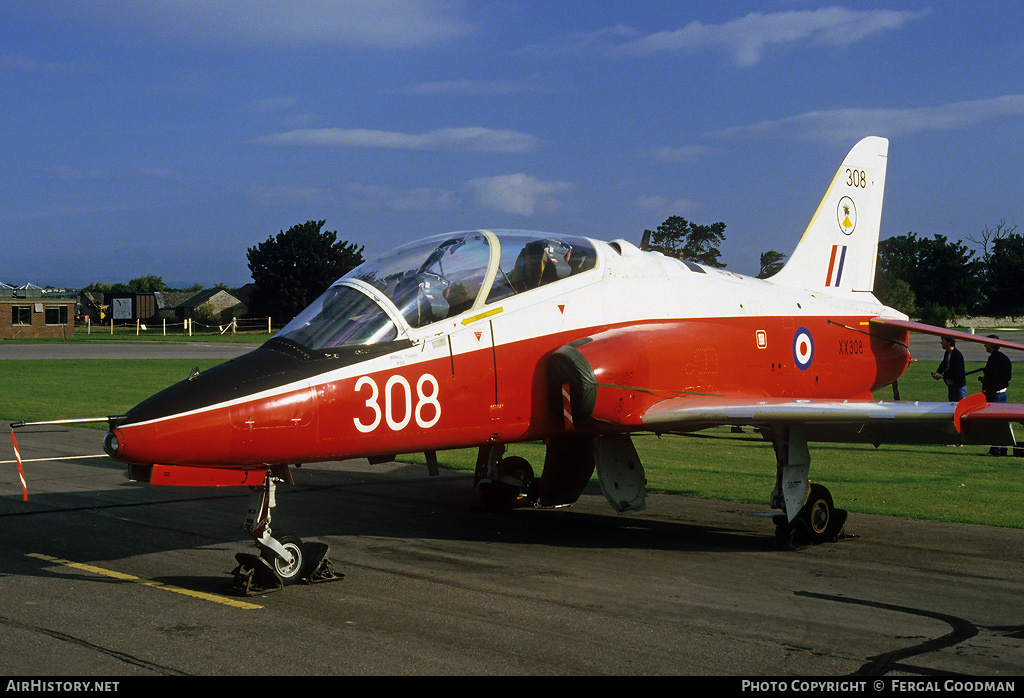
x: 851, y: 124
x: 663, y: 204
x: 424, y: 199
x: 273, y: 104
x: 747, y: 38
x: 517, y: 193
x: 513, y: 193
x: 357, y: 195
x: 388, y: 24
x: 606, y: 37
x: 689, y: 153
x: 471, y: 87
x: 11, y: 62
x: 415, y: 199
x: 473, y: 139
x: 71, y: 173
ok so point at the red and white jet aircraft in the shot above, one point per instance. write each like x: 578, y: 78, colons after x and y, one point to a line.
x: 484, y: 338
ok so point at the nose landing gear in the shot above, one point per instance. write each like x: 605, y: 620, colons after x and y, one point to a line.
x: 283, y: 560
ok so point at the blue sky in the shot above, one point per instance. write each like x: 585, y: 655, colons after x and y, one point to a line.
x: 168, y: 136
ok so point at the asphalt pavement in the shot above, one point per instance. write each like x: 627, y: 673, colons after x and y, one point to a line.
x: 102, y: 577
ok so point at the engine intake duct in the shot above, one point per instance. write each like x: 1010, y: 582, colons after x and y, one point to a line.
x: 569, y: 367
x: 615, y: 375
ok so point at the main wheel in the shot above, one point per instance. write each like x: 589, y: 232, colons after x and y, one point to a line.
x: 288, y: 570
x: 513, y: 487
x: 818, y: 514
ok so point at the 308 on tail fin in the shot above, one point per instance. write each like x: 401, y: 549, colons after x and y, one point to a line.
x: 840, y: 246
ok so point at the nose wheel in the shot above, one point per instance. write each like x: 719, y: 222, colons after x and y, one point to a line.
x: 287, y: 568
x: 283, y: 560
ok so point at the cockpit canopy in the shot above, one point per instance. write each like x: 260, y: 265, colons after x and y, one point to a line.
x: 435, y: 279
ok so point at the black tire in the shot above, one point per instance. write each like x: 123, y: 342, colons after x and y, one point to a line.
x: 818, y: 515
x: 289, y: 572
x: 519, y: 469
x: 503, y: 496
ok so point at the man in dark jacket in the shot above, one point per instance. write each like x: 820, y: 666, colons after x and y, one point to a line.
x: 995, y: 379
x: 951, y: 371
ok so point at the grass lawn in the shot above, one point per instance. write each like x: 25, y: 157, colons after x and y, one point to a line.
x: 66, y: 388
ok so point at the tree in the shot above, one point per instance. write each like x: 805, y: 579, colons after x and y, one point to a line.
x: 942, y: 277
x: 1005, y: 275
x: 772, y: 262
x: 100, y: 287
x: 895, y: 293
x: 678, y: 237
x: 147, y: 284
x: 896, y: 268
x: 989, y: 236
x: 294, y: 267
x: 950, y: 276
x: 898, y: 259
x: 999, y: 294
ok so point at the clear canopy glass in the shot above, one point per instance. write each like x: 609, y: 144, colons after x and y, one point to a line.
x: 435, y: 279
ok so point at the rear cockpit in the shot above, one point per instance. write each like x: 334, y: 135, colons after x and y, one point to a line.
x: 435, y: 279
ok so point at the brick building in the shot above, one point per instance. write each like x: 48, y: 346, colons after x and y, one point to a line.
x: 29, y: 311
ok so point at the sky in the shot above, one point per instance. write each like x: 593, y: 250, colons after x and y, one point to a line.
x: 166, y: 137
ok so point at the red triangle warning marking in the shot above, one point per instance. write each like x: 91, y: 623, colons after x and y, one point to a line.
x: 561, y: 308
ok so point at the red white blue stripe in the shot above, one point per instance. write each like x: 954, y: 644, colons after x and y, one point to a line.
x: 831, y: 280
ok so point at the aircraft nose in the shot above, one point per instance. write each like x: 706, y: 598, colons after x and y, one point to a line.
x: 211, y: 417
x: 258, y: 408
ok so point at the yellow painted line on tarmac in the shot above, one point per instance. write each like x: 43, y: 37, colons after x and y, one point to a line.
x: 224, y: 600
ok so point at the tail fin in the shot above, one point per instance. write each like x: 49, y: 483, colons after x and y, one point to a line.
x: 840, y: 246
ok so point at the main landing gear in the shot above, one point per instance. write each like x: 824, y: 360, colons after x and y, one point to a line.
x: 283, y: 560
x: 811, y: 517
x: 505, y: 483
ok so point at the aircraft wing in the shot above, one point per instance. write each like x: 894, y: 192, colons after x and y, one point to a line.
x: 912, y: 326
x: 971, y: 421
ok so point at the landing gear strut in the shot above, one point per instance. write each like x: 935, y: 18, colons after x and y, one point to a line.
x: 283, y: 560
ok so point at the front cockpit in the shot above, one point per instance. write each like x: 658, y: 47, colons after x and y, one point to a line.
x: 432, y: 280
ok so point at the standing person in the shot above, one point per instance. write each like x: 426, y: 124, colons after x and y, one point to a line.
x: 995, y: 379
x: 952, y: 371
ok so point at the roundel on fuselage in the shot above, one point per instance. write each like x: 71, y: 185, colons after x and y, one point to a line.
x: 803, y: 348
